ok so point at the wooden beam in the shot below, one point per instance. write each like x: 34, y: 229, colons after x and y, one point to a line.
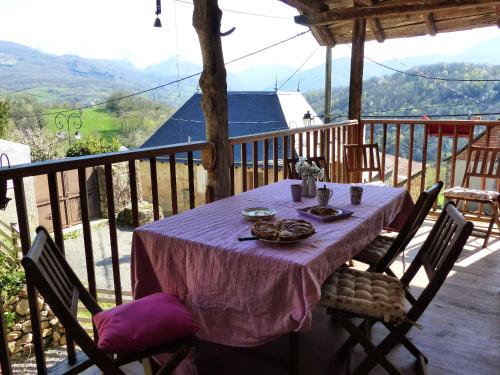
x: 328, y: 85
x: 356, y: 80
x: 384, y: 10
x: 325, y: 35
x: 206, y: 21
x: 429, y: 22
x: 373, y: 23
x: 497, y: 8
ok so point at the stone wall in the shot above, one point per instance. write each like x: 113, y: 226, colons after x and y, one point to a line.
x: 19, y: 334
x: 121, y: 188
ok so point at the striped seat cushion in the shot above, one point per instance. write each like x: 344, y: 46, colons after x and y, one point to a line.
x: 466, y: 193
x: 364, y: 293
x: 375, y: 250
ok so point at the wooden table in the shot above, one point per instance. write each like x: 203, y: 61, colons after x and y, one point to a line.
x: 248, y: 293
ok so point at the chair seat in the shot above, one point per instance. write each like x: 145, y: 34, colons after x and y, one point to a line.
x: 466, y: 193
x: 375, y: 250
x: 364, y: 293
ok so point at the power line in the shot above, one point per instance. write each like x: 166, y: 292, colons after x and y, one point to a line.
x: 300, y: 67
x: 242, y: 12
x: 430, y: 115
x: 422, y: 75
x: 165, y: 84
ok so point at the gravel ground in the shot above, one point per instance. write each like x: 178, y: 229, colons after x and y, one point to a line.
x: 75, y: 254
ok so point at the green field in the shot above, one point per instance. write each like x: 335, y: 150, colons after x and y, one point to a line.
x: 96, y: 122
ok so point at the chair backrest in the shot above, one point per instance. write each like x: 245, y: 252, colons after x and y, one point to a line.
x: 482, y: 162
x: 319, y: 160
x: 417, y: 216
x: 62, y: 290
x: 437, y: 255
x: 361, y: 158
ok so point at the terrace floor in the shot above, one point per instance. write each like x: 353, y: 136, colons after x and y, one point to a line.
x: 460, y: 330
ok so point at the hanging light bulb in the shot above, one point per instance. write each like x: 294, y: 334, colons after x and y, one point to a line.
x: 158, y: 12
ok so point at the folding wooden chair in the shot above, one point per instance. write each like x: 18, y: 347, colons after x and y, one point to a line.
x: 319, y: 160
x: 62, y: 290
x: 482, y: 163
x: 362, y: 159
x: 384, y: 250
x: 381, y: 298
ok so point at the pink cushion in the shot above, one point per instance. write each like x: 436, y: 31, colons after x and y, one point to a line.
x: 144, y: 323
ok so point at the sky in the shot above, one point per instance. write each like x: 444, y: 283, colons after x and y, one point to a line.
x: 123, y: 30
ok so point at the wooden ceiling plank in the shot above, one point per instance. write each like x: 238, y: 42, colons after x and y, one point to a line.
x: 373, y: 23
x: 395, y: 8
x: 429, y: 22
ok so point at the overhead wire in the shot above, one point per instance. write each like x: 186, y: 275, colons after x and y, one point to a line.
x: 300, y: 67
x: 423, y: 75
x: 177, y: 56
x: 243, y: 12
x: 165, y: 84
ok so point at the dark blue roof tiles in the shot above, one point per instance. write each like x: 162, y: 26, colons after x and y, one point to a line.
x: 248, y: 113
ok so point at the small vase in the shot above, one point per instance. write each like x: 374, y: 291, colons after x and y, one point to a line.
x: 304, y: 186
x: 311, y: 187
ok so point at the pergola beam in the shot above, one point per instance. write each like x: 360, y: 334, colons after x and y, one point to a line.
x: 497, y: 8
x: 384, y: 10
x: 373, y: 23
x: 429, y: 22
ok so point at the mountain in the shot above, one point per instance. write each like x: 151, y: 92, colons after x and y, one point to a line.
x: 73, y: 79
x: 487, y: 52
x: 78, y: 80
x: 394, y: 95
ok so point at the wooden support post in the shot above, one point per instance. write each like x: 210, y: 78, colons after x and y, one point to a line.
x: 356, y: 82
x: 206, y: 21
x: 328, y: 85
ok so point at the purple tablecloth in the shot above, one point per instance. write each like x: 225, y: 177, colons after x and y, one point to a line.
x: 248, y: 293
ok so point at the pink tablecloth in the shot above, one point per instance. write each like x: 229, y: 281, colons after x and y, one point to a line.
x: 248, y: 293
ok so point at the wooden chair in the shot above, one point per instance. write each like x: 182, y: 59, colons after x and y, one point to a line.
x: 62, y: 290
x: 319, y: 160
x: 482, y: 163
x: 361, y: 159
x: 384, y: 250
x: 381, y: 298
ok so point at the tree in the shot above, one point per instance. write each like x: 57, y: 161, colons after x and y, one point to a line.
x: 92, y: 145
x: 4, y: 117
x: 25, y: 111
x: 44, y: 145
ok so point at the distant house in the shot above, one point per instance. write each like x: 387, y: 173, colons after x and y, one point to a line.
x: 249, y: 112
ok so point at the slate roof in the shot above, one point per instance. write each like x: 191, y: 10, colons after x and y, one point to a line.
x: 249, y: 112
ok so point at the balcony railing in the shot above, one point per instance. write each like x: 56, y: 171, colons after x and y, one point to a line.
x: 180, y: 165
x: 430, y: 150
x: 172, y: 178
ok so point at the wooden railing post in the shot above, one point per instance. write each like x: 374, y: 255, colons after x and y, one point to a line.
x: 208, y: 163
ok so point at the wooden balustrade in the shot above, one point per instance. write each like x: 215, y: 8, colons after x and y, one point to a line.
x: 270, y: 153
x: 425, y: 151
x: 51, y: 168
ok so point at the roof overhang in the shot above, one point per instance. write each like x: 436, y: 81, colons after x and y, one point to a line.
x: 331, y: 21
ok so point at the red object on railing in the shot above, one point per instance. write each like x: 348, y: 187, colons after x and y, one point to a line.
x: 449, y: 130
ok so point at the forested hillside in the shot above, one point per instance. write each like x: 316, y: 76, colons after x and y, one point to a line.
x: 400, y: 95
x: 403, y: 95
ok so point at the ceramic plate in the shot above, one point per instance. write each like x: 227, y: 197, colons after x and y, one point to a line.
x: 257, y: 213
